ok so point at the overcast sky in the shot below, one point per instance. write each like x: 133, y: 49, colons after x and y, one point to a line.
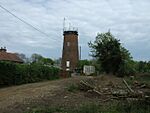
x: 128, y: 20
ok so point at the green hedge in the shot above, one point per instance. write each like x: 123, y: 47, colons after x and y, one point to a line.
x: 15, y: 74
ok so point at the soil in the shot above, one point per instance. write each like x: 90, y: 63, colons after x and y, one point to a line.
x: 19, y: 99
x: 23, y: 98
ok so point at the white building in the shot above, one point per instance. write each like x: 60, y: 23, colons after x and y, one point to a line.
x: 88, y: 70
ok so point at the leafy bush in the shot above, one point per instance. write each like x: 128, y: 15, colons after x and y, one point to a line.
x: 14, y: 74
x: 127, y: 68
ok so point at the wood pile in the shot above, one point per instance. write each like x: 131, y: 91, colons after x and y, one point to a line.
x: 113, y: 91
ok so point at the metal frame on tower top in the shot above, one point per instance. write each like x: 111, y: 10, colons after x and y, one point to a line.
x: 69, y: 28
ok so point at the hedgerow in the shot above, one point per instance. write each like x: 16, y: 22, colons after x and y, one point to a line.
x: 15, y: 74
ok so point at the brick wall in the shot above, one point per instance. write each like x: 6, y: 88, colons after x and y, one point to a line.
x: 70, y: 54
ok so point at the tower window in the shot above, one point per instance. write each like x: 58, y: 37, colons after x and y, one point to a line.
x: 68, y: 43
x: 67, y: 63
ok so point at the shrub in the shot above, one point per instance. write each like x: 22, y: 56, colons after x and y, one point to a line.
x: 14, y: 74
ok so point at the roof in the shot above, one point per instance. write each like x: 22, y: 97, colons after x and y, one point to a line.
x: 70, y: 32
x: 5, y: 56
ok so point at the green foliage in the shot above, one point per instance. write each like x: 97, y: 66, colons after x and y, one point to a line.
x: 143, y: 67
x: 112, y: 57
x: 14, y: 74
x: 128, y: 67
x: 47, y: 61
x: 36, y: 57
x: 81, y: 63
x: 7, y: 73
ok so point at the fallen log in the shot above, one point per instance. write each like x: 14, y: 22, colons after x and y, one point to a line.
x: 85, y: 86
x: 99, y: 93
x: 129, y: 88
x: 114, y: 93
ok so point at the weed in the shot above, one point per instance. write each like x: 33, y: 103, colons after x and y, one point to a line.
x: 72, y: 88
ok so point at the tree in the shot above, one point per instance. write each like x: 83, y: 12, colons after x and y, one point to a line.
x: 22, y: 56
x: 143, y: 67
x: 81, y: 63
x: 58, y: 62
x: 109, y: 52
x: 36, y: 57
x: 47, y: 61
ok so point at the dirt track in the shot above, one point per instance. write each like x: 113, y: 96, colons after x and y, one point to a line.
x: 18, y: 99
x: 29, y: 97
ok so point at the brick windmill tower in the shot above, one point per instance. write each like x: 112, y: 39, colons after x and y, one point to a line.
x: 70, y: 55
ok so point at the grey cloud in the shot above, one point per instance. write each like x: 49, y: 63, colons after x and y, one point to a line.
x: 127, y: 19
